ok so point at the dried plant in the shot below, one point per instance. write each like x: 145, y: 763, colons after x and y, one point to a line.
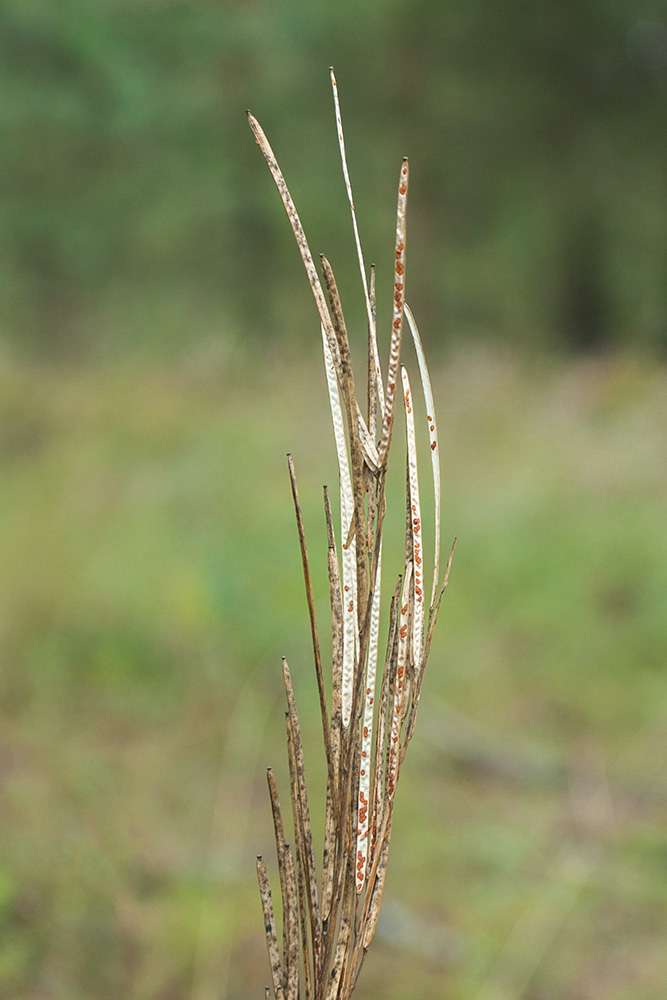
x: 328, y: 921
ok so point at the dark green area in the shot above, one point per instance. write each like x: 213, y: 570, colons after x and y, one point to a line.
x: 136, y: 210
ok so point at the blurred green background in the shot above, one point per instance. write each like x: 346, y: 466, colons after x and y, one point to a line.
x: 160, y: 354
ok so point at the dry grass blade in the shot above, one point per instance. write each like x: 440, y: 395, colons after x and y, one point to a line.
x: 348, y: 188
x: 436, y: 609
x: 399, y: 682
x: 397, y: 315
x: 344, y: 934
x: 380, y: 752
x: 414, y: 528
x: 370, y: 307
x: 291, y: 929
x: 311, y: 612
x: 270, y: 929
x: 303, y: 817
x: 281, y: 850
x: 433, y: 442
x: 364, y: 803
x: 336, y: 601
x: 349, y: 560
x: 304, y: 922
x: 346, y: 382
x: 375, y: 389
x: 376, y: 895
x: 297, y: 229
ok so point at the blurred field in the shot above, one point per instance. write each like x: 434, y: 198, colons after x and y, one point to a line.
x: 150, y: 582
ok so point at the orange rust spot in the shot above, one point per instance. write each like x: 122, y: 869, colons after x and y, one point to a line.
x: 400, y: 248
x: 433, y: 446
x: 432, y: 427
x: 402, y: 189
x: 351, y: 606
x: 400, y: 268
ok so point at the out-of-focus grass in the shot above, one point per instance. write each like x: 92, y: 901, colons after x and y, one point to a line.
x: 150, y: 581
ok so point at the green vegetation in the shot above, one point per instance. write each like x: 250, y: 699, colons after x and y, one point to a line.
x: 134, y: 208
x: 151, y: 580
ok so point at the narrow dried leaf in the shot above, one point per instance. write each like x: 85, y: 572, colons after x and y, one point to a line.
x: 280, y: 849
x: 401, y: 662
x: 397, y: 315
x: 384, y: 722
x: 414, y: 527
x: 301, y: 863
x: 433, y: 442
x: 364, y: 804
x: 376, y: 895
x: 297, y: 229
x: 348, y: 188
x: 311, y: 612
x: 346, y: 383
x: 434, y: 615
x: 291, y: 925
x: 344, y: 933
x: 349, y: 557
x: 304, y: 833
x: 337, y: 635
x: 270, y: 929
